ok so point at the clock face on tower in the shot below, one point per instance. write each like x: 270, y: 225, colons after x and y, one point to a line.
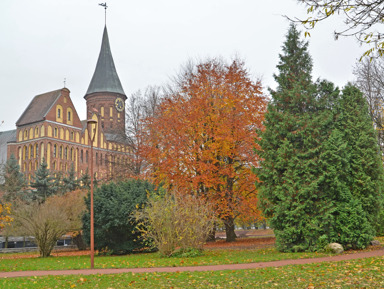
x: 119, y: 104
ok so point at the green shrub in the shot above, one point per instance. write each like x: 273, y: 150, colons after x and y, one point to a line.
x: 178, y: 224
x: 115, y: 230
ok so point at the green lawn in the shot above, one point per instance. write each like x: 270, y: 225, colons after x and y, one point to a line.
x: 210, y: 257
x: 363, y: 273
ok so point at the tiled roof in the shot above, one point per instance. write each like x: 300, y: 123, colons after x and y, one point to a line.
x: 38, y: 108
x: 105, y: 78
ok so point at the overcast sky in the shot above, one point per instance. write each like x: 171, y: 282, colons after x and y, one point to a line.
x: 44, y: 41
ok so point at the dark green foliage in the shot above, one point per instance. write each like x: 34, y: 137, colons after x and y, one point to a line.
x: 14, y: 181
x: 43, y: 183
x: 351, y: 227
x: 85, y: 179
x: 365, y: 173
x: 291, y: 144
x: 321, y: 176
x: 115, y: 230
x: 70, y: 182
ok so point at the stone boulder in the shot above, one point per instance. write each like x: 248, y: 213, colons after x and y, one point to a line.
x: 375, y: 243
x: 334, y: 248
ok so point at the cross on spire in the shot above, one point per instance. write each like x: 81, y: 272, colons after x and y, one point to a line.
x: 105, y: 9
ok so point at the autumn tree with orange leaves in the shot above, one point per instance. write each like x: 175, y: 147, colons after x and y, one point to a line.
x: 5, y: 212
x: 203, y: 137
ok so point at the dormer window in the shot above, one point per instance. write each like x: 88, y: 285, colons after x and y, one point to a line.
x: 69, y: 116
x: 59, y: 113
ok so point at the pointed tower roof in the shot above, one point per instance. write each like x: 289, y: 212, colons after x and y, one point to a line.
x: 105, y: 78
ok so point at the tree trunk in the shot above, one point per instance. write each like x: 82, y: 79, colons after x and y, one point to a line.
x: 264, y: 225
x: 230, y: 229
x: 6, y: 242
x: 212, y: 234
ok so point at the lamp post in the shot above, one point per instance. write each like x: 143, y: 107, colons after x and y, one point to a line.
x: 91, y: 126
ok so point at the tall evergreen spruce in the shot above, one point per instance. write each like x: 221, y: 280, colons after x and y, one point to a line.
x: 43, y: 183
x: 70, y: 182
x: 296, y: 125
x: 366, y: 168
x: 14, y: 181
x: 321, y: 174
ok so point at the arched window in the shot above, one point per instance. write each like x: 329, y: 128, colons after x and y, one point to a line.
x: 55, y: 132
x: 61, y: 152
x: 81, y: 156
x: 66, y: 153
x: 69, y: 116
x: 86, y: 156
x: 30, y: 152
x: 54, y: 150
x: 25, y: 153
x: 59, y: 113
x: 42, y: 130
x: 36, y: 150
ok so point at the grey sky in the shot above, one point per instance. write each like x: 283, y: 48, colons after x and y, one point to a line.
x: 44, y: 41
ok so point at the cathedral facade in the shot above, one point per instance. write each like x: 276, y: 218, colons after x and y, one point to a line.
x: 50, y: 129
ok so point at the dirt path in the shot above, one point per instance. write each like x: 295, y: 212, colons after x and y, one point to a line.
x: 373, y: 253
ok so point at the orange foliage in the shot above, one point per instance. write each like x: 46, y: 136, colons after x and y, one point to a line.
x: 5, y: 218
x: 203, y: 137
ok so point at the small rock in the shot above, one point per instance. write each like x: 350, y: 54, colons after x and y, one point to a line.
x: 375, y: 243
x: 335, y: 248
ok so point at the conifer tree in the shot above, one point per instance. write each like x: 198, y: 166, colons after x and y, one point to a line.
x: 353, y: 174
x: 296, y: 125
x: 85, y: 179
x: 322, y: 176
x: 43, y: 182
x: 70, y: 182
x: 366, y: 168
x: 14, y: 181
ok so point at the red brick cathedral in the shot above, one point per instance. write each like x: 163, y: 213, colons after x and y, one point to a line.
x: 50, y: 127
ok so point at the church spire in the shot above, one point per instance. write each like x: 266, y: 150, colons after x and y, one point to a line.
x: 105, y: 78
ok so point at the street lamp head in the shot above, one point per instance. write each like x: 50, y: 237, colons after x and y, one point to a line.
x: 91, y: 125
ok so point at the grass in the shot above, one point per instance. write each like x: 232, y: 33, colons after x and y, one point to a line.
x: 363, y: 273
x: 210, y: 257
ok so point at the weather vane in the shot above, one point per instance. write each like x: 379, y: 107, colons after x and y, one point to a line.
x: 105, y: 8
